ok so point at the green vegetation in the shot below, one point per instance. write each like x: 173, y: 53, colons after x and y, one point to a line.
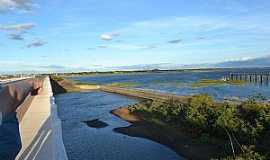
x: 213, y: 82
x: 245, y: 124
x: 248, y: 154
x: 124, y: 84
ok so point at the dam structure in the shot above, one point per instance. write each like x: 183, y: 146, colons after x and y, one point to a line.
x: 39, y: 126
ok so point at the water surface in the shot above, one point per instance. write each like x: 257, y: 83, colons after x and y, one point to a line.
x: 86, y: 143
x: 181, y: 83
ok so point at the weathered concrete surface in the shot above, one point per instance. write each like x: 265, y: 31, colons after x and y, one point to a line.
x: 12, y: 95
x: 40, y: 129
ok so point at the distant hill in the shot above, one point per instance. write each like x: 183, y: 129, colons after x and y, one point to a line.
x: 256, y: 62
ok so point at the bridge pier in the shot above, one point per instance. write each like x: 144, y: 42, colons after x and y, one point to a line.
x: 260, y: 78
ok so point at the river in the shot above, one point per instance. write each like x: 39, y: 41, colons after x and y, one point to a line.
x: 83, y: 142
x: 86, y: 143
x: 181, y: 83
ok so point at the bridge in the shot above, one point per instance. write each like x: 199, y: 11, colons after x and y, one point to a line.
x: 39, y: 125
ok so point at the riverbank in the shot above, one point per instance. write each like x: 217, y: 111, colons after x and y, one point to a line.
x: 62, y: 85
x: 202, y: 129
x: 176, y: 138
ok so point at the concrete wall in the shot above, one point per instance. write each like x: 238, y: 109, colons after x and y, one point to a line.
x: 40, y: 129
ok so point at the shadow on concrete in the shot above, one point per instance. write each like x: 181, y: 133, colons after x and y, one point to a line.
x: 40, y: 143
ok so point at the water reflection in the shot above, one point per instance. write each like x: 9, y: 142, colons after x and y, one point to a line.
x: 10, y: 140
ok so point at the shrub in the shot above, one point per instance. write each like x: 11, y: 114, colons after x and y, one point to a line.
x: 200, y: 111
x: 228, y: 118
x: 256, y: 117
x: 249, y: 122
x: 248, y: 154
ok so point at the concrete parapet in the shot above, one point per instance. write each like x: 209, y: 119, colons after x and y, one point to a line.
x: 41, y: 130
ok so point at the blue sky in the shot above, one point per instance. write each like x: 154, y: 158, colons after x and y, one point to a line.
x: 101, y: 34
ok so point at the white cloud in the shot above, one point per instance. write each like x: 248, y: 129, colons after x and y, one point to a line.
x: 17, y: 27
x: 15, y: 36
x: 36, y: 43
x: 106, y: 37
x: 9, y: 5
x: 16, y: 31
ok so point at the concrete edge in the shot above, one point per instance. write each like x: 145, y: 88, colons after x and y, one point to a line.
x: 58, y: 146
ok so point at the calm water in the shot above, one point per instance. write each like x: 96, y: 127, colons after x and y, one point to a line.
x: 181, y: 83
x: 86, y: 143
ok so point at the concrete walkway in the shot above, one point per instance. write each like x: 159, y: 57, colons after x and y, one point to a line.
x: 41, y: 130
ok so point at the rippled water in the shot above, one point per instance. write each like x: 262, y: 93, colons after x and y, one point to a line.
x: 181, y: 83
x: 85, y: 143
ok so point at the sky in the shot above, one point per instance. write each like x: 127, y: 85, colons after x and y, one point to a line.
x: 42, y: 35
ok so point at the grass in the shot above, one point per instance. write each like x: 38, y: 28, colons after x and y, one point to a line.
x: 214, y: 82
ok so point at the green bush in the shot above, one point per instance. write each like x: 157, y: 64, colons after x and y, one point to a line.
x: 228, y: 118
x: 201, y: 112
x: 256, y: 117
x: 247, y: 122
x: 248, y: 154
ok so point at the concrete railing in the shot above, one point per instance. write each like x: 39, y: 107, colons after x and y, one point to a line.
x: 40, y: 129
x: 3, y: 81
